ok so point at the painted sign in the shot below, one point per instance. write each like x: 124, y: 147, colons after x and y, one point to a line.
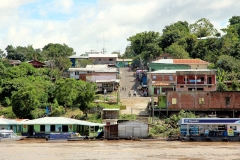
x: 204, y: 120
x: 193, y: 80
x: 230, y: 132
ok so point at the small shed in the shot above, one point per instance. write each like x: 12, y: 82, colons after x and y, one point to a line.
x: 132, y: 129
x: 111, y: 131
x: 110, y: 116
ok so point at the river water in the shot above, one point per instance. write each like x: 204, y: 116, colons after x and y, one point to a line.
x: 40, y: 149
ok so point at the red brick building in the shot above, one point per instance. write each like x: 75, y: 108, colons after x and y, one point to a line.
x: 221, y: 103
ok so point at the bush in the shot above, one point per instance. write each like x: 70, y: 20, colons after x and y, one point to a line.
x: 7, y: 112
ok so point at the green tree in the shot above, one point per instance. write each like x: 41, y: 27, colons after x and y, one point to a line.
x: 221, y: 87
x: 173, y: 33
x: 234, y: 20
x: 177, y: 51
x: 58, y: 54
x: 86, y: 62
x: 86, y: 94
x: 66, y: 91
x: 144, y: 44
x: 24, y: 101
x: 203, y: 28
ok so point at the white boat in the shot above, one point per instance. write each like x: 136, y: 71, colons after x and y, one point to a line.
x: 77, y: 137
x: 9, y: 135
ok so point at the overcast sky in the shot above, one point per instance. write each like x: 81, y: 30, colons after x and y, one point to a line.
x: 88, y: 25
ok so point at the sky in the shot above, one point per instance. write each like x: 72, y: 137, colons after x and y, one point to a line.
x: 87, y: 25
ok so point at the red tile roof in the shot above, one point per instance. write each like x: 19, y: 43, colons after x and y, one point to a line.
x: 189, y: 61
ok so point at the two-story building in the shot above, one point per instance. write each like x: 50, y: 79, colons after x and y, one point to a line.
x: 104, y: 58
x: 105, y: 77
x: 162, y: 81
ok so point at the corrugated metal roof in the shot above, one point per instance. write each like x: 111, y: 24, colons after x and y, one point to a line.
x: 185, y: 70
x: 103, y: 55
x: 99, y: 66
x: 93, y: 69
x: 165, y: 61
x: 189, y: 61
x: 80, y: 57
x: 59, y: 120
x: 181, y: 61
x: 4, y: 121
x: 111, y: 80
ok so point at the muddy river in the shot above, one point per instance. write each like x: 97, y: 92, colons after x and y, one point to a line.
x: 122, y: 149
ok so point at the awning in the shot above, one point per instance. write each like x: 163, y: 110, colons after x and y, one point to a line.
x: 105, y: 81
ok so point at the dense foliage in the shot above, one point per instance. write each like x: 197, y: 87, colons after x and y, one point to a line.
x: 198, y: 40
x: 27, y: 91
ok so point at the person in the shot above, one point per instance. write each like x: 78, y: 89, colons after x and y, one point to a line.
x: 134, y: 93
x: 129, y: 94
x: 105, y: 91
x: 125, y: 88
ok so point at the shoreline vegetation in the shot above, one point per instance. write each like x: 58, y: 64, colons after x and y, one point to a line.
x: 26, y: 91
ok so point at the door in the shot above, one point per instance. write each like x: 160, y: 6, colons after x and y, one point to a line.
x: 162, y: 102
x: 30, y: 129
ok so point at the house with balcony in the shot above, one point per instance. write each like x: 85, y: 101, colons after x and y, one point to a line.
x: 104, y: 76
x: 161, y: 81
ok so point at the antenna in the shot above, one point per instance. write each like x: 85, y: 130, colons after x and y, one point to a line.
x: 104, y: 44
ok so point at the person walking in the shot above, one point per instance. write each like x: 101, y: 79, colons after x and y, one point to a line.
x: 125, y: 88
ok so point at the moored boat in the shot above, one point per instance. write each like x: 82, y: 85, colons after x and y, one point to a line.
x: 9, y: 135
x: 77, y: 137
x: 71, y: 136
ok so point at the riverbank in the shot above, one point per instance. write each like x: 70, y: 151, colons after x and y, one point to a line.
x: 124, y: 149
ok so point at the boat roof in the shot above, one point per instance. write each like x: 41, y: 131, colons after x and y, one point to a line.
x: 4, y: 121
x: 6, y: 131
x: 59, y: 120
x: 221, y: 121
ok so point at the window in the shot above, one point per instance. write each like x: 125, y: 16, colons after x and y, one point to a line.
x: 174, y: 100
x: 201, y: 101
x: 64, y: 128
x: 99, y: 59
x: 42, y: 128
x: 76, y: 73
x: 165, y: 57
x: 154, y: 77
x: 170, y: 78
x: 52, y: 128
x: 202, y: 79
x: 181, y: 86
x: 227, y: 101
x: 110, y: 59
